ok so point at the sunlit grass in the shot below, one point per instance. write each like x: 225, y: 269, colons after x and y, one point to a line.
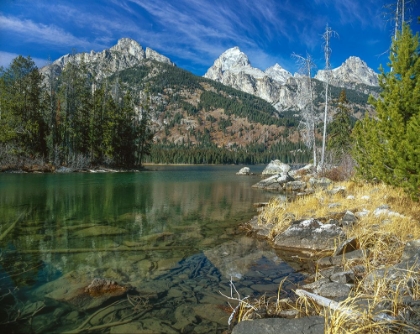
x: 376, y: 303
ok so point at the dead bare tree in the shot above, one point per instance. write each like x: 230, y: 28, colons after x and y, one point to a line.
x: 309, y: 116
x: 398, y: 12
x: 327, y: 53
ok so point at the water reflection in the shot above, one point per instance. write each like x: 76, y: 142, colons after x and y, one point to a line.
x: 169, y: 234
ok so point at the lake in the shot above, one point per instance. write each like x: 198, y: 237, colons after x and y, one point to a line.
x: 145, y: 252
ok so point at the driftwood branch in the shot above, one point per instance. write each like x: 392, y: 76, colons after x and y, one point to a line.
x: 333, y: 305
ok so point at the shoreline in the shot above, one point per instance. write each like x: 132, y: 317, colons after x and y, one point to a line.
x: 348, y: 267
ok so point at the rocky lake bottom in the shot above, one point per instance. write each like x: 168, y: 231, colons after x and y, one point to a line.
x: 150, y: 252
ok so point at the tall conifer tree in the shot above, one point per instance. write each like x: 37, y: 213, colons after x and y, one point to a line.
x: 390, y: 154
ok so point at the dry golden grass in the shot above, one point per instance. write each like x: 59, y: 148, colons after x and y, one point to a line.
x: 385, y: 235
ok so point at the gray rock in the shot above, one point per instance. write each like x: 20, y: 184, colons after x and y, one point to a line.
x: 327, y: 273
x: 338, y: 190
x: 333, y: 290
x: 349, y: 219
x: 244, y: 171
x: 261, y: 230
x: 284, y: 179
x: 362, y: 213
x: 276, y: 167
x: 347, y: 246
x: 322, y: 182
x: 324, y: 287
x: 344, y: 277
x: 295, y: 186
x: 339, y: 260
x: 307, y: 325
x: 309, y: 235
x: 266, y: 182
x: 410, y: 261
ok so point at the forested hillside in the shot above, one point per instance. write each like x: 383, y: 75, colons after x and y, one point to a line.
x: 152, y: 112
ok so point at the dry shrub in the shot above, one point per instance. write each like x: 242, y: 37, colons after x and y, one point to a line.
x: 335, y: 174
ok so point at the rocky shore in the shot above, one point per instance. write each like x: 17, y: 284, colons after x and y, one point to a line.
x: 341, y: 264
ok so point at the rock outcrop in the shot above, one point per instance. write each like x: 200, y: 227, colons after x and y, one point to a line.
x: 309, y: 235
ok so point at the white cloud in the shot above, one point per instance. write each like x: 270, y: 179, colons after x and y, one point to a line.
x: 40, y: 33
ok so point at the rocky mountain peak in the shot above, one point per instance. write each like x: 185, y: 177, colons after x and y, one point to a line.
x: 278, y: 73
x: 228, y: 60
x: 130, y: 47
x: 232, y: 57
x: 353, y: 71
x: 125, y: 54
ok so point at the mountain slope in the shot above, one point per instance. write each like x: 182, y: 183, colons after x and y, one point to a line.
x: 188, y: 109
x: 194, y: 119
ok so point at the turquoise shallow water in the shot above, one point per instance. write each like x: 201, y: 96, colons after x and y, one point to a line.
x: 167, y: 237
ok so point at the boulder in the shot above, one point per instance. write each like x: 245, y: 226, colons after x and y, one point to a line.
x: 325, y: 288
x: 295, y: 186
x: 266, y: 182
x: 309, y: 235
x: 276, y: 167
x: 410, y: 262
x: 322, y: 182
x: 244, y: 171
x: 349, y: 219
x: 284, y: 178
x: 308, y: 169
x: 356, y: 256
x: 306, y: 325
x: 347, y: 246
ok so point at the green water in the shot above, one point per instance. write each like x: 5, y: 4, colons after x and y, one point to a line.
x: 166, y: 236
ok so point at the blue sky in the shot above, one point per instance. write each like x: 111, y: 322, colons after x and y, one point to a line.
x: 193, y: 33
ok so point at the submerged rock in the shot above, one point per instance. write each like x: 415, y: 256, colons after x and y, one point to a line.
x: 100, y: 286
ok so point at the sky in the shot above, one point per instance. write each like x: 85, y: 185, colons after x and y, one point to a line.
x: 194, y: 33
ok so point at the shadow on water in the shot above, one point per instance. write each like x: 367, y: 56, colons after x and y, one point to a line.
x: 164, y: 242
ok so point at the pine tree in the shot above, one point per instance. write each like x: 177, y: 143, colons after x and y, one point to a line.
x: 340, y: 129
x: 390, y: 155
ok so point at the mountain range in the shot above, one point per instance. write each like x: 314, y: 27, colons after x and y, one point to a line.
x: 233, y: 106
x: 278, y: 86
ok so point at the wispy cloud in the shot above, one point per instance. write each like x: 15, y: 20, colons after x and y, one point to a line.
x: 193, y: 32
x: 40, y: 33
